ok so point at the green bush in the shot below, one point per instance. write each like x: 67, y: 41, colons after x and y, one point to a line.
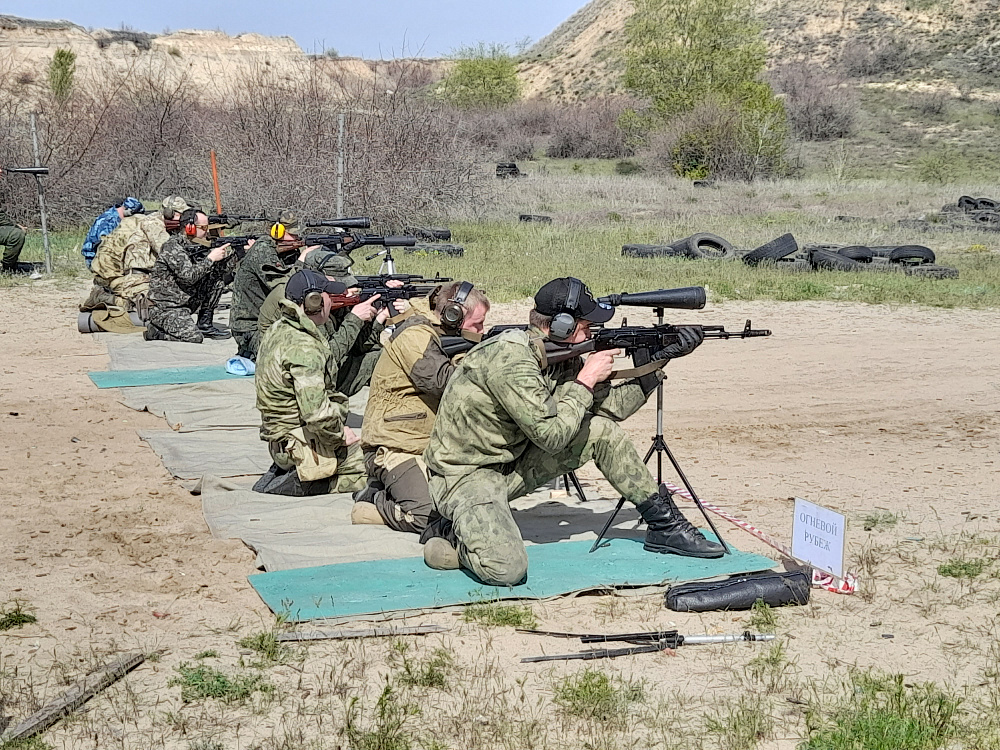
x: 484, y: 77
x: 61, y: 72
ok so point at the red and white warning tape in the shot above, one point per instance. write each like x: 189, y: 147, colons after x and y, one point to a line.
x: 820, y: 578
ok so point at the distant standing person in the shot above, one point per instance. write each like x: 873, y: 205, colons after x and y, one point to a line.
x: 12, y: 239
x: 105, y: 224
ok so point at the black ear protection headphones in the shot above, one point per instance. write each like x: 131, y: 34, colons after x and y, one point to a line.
x: 453, y: 314
x: 563, y: 324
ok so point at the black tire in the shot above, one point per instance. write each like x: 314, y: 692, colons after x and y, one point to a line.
x: 859, y: 253
x: 705, y: 245
x: 652, y: 251
x: 792, y: 265
x: 987, y: 204
x: 952, y: 208
x: 911, y: 252
x: 986, y: 217
x: 535, y: 218
x: 436, y: 248
x: 776, y: 249
x: 703, y: 183
x: 931, y: 271
x: 831, y: 261
x: 967, y: 203
x: 428, y: 233
x: 881, y: 251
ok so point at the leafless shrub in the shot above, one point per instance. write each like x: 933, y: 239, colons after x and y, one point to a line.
x: 142, y: 41
x: 819, y: 104
x: 590, y: 131
x: 889, y: 54
x: 517, y: 129
x: 930, y: 105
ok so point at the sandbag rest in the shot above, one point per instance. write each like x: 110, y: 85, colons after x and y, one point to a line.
x: 775, y: 589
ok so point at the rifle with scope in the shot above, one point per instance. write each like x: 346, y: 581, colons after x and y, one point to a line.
x: 344, y: 242
x: 379, y: 280
x: 233, y: 220
x: 357, y: 222
x: 386, y: 295
x: 639, y: 342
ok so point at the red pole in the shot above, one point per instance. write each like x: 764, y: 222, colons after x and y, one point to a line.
x: 215, y: 181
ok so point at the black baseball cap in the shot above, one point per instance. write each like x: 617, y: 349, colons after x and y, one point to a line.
x: 552, y: 300
x: 306, y: 280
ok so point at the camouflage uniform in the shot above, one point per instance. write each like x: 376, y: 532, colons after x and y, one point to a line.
x: 302, y: 414
x: 256, y: 274
x: 354, y: 344
x: 507, y: 425
x: 184, y: 282
x: 406, y: 389
x: 12, y: 238
x: 126, y: 256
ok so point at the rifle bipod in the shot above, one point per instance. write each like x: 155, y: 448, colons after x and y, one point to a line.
x: 659, y: 447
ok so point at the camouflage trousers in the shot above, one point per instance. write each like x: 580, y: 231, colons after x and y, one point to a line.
x: 12, y: 239
x: 176, y: 323
x: 129, y: 286
x: 406, y: 503
x: 283, y: 478
x: 489, y: 542
x: 247, y: 343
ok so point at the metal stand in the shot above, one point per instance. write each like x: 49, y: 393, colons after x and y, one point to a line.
x: 388, y: 262
x: 659, y: 447
x: 570, y: 478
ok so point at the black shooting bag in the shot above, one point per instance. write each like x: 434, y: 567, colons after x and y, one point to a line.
x: 740, y: 592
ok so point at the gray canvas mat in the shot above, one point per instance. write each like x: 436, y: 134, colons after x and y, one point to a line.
x: 133, y: 353
x: 300, y: 532
x: 215, y: 405
x: 225, y: 453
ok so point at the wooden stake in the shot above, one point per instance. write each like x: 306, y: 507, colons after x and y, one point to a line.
x: 215, y: 182
x: 75, y: 697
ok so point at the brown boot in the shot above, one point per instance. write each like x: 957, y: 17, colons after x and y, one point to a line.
x: 100, y: 297
x: 366, y: 513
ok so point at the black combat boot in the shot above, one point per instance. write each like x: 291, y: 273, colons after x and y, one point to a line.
x: 670, y: 532
x: 206, y: 325
x: 152, y: 333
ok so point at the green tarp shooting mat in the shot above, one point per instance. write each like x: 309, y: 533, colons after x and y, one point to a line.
x: 380, y: 586
x: 161, y: 376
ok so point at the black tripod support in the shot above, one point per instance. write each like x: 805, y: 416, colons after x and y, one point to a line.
x: 659, y: 447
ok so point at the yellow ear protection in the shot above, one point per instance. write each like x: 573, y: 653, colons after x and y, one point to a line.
x: 277, y: 230
x: 453, y: 314
x: 563, y: 324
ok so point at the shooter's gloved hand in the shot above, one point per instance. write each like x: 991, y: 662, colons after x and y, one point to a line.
x: 689, y: 339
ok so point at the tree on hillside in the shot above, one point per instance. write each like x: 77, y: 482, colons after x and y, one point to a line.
x: 61, y: 71
x: 682, y: 54
x: 484, y: 77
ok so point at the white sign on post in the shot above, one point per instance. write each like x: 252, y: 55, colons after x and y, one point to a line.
x: 818, y: 537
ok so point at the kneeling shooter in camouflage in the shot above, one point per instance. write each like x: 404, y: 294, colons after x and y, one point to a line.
x: 303, y: 417
x: 508, y: 424
x: 406, y: 389
x: 184, y: 283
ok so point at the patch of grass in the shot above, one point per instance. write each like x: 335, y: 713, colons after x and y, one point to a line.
x: 763, y: 617
x: 881, y: 712
x: 266, y: 644
x: 741, y: 725
x: 496, y: 614
x: 880, y: 520
x: 206, y: 745
x: 432, y: 672
x: 198, y: 682
x: 31, y: 743
x: 771, y: 669
x: 387, y: 731
x: 14, y: 616
x: 594, y: 695
x: 961, y: 568
x: 210, y: 654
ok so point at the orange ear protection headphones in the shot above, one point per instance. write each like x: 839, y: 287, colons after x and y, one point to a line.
x: 190, y: 230
x: 563, y: 324
x: 453, y: 314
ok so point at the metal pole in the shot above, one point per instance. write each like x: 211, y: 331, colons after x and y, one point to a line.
x: 41, y: 199
x: 340, y: 164
x: 215, y: 183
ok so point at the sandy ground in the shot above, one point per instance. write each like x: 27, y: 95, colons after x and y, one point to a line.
x: 859, y: 408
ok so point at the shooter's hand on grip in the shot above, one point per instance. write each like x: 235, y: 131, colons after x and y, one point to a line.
x: 689, y: 339
x: 597, y: 368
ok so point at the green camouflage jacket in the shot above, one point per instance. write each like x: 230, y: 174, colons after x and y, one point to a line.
x: 499, y: 401
x: 255, y: 277
x: 5, y: 220
x: 294, y: 388
x: 176, y: 273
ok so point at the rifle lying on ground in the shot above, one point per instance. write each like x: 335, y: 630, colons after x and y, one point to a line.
x: 643, y: 643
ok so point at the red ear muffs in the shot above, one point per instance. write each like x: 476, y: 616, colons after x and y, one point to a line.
x: 190, y: 230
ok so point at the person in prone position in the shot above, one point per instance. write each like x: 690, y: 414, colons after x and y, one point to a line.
x: 303, y: 416
x: 406, y: 388
x: 508, y: 424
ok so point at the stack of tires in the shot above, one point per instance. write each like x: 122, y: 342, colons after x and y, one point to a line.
x: 507, y: 169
